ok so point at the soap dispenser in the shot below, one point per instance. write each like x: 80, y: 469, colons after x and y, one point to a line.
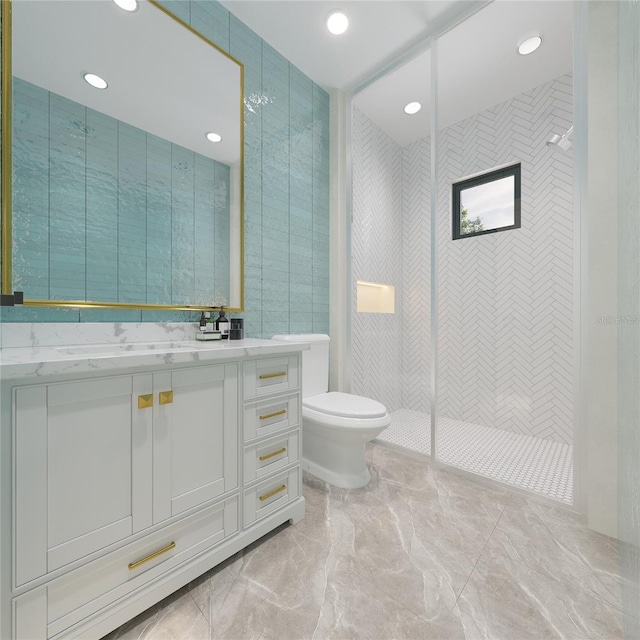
x: 222, y: 324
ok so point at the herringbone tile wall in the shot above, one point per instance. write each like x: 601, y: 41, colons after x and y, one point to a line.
x: 505, y: 300
x: 377, y: 257
x: 506, y: 304
x: 416, y: 276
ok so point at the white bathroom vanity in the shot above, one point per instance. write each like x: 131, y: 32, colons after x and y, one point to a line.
x: 130, y: 468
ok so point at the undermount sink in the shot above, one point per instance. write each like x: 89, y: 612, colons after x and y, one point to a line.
x: 132, y: 347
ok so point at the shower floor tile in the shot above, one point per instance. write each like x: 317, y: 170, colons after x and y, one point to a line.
x: 409, y: 430
x: 534, y: 464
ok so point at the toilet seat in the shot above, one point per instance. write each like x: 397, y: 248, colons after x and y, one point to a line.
x: 345, y: 405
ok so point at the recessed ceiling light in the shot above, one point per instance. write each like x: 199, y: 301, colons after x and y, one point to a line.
x: 412, y: 107
x: 214, y: 137
x: 337, y: 23
x: 127, y: 5
x: 95, y: 81
x: 529, y: 45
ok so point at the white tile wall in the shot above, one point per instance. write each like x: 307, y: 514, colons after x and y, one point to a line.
x: 416, y: 276
x: 377, y: 257
x: 506, y: 305
x: 505, y: 300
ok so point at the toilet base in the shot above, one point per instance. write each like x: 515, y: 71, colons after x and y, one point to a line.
x: 333, y: 447
x: 340, y: 480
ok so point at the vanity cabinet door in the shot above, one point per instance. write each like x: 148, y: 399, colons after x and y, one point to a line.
x: 195, y: 434
x: 82, y: 462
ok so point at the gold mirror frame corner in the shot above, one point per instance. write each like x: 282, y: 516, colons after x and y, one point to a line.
x: 5, y: 132
x: 6, y: 246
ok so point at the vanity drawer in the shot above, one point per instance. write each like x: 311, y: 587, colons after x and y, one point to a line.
x: 84, y: 591
x: 268, y: 456
x: 271, y: 375
x: 269, y: 416
x: 269, y: 495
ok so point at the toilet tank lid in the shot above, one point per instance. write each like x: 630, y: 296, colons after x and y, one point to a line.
x: 303, y: 337
x: 336, y: 403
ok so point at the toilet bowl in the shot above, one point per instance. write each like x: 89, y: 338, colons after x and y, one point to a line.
x: 335, y: 426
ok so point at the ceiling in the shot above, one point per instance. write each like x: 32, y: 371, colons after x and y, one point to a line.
x: 478, y: 66
x: 377, y: 30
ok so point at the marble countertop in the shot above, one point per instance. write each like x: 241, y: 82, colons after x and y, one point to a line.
x: 38, y: 361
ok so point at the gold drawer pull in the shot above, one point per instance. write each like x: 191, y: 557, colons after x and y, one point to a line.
x: 145, y: 401
x: 271, y: 455
x: 165, y: 397
x: 266, y: 496
x: 153, y: 556
x: 274, y: 414
x: 266, y: 376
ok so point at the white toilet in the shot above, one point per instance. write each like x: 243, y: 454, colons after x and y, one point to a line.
x: 335, y: 426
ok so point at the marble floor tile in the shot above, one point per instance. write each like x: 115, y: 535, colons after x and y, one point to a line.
x: 290, y: 580
x: 442, y: 500
x: 424, y: 573
x: 506, y: 599
x: 246, y: 628
x: 177, y: 617
x: 222, y: 596
x: 556, y: 543
x: 353, y: 607
x: 398, y: 468
x: 336, y: 498
x: 420, y: 553
x: 630, y: 570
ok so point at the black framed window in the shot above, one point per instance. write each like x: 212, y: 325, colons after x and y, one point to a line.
x: 487, y: 203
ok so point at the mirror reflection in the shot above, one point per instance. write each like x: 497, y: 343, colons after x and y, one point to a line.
x: 126, y: 182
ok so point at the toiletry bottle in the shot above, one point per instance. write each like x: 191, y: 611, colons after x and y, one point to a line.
x: 222, y: 324
x: 203, y: 323
x: 209, y: 325
x: 236, y: 328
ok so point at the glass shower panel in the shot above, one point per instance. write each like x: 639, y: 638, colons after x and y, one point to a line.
x: 504, y: 257
x: 390, y: 242
x: 629, y: 311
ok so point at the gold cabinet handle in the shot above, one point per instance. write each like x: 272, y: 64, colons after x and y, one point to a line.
x: 153, y: 556
x: 272, y: 454
x: 145, y: 401
x: 273, y: 415
x: 165, y: 397
x: 266, y: 496
x: 266, y: 376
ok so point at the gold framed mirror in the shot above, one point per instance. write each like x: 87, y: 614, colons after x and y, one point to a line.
x: 116, y: 196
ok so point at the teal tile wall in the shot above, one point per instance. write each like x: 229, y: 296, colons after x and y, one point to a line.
x: 107, y: 212
x: 286, y: 191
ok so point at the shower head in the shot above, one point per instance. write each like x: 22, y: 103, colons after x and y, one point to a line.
x: 561, y: 142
